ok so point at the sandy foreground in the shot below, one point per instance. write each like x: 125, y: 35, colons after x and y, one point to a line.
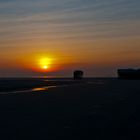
x: 98, y: 109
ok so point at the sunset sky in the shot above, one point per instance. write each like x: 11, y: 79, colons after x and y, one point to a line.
x: 55, y: 37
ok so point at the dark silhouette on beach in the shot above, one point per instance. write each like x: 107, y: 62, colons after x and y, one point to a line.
x: 78, y: 74
x: 129, y: 73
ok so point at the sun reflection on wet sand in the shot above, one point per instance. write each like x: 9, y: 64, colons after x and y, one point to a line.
x: 39, y: 89
x: 43, y: 88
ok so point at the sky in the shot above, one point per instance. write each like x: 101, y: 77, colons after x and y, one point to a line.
x: 56, y: 37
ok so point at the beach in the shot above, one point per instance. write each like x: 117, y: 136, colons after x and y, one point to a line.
x: 94, y: 108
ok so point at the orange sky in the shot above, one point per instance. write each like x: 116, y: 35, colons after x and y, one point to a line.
x: 76, y: 36
x: 111, y: 53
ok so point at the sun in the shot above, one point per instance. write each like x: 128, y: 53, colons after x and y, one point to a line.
x: 45, y: 63
x: 45, y: 67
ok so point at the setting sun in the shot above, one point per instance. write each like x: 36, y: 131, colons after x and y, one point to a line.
x: 45, y: 67
x: 45, y: 63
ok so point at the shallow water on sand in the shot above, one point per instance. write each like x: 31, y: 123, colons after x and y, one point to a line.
x: 25, y: 85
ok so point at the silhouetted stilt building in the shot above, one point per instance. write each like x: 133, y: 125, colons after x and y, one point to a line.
x: 129, y: 73
x: 78, y: 74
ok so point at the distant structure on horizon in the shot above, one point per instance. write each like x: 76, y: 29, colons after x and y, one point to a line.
x: 129, y: 73
x: 78, y: 74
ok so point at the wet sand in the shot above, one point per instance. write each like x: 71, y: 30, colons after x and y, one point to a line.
x: 94, y: 109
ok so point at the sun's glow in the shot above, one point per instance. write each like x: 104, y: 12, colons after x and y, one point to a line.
x: 45, y: 67
x: 45, y: 63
